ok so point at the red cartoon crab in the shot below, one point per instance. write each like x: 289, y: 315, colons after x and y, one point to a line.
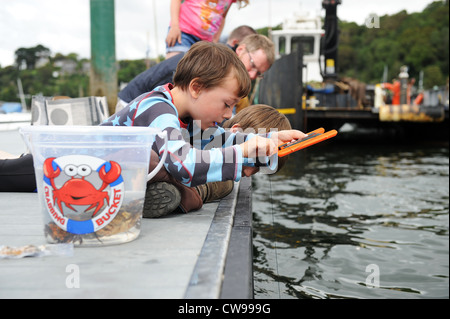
x: 78, y: 191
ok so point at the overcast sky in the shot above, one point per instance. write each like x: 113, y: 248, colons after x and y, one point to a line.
x: 63, y: 26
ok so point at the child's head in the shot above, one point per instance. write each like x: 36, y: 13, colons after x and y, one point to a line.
x: 260, y: 116
x: 238, y: 34
x: 209, y: 64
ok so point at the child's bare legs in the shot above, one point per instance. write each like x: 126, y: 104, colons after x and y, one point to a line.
x: 5, y: 155
x: 171, y: 54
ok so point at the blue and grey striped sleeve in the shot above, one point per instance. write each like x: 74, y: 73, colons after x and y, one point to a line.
x: 194, y: 165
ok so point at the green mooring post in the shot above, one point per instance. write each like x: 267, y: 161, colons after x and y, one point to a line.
x: 103, y: 78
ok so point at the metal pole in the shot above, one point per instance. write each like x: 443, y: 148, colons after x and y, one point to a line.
x: 403, y: 76
x: 21, y: 95
x: 156, y: 32
x: 270, y: 20
x: 103, y: 79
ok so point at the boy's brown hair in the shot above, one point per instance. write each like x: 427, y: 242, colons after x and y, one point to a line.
x: 209, y: 63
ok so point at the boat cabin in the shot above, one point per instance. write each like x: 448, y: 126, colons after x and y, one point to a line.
x: 301, y: 30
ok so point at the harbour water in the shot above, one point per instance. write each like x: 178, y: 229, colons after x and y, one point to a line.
x: 349, y: 220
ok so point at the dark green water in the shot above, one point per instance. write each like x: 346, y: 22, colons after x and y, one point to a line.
x: 354, y: 221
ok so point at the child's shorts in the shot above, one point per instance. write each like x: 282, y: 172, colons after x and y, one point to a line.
x: 17, y: 174
x: 187, y: 40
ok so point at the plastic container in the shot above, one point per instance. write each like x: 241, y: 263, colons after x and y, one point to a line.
x: 91, y: 180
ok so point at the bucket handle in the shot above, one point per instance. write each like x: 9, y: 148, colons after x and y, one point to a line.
x: 26, y: 138
x: 152, y: 174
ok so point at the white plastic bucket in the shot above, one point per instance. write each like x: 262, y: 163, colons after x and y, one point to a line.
x: 91, y: 180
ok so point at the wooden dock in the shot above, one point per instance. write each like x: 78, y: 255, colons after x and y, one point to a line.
x: 205, y: 254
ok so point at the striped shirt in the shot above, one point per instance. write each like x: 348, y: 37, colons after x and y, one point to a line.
x: 195, y: 157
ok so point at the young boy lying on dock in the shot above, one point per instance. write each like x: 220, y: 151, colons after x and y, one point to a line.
x: 165, y: 194
x: 209, y: 81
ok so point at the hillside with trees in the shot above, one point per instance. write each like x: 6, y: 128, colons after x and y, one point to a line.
x: 419, y: 40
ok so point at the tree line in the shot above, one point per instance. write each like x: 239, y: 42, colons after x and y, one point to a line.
x: 419, y: 40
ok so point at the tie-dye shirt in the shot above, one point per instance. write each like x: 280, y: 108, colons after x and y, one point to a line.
x: 195, y: 157
x: 203, y: 18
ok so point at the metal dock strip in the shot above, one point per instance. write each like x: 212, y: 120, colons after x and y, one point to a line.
x: 207, y: 277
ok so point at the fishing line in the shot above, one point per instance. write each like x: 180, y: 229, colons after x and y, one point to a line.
x: 275, y: 239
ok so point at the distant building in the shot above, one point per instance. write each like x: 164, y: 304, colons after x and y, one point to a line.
x: 68, y: 67
x: 42, y: 61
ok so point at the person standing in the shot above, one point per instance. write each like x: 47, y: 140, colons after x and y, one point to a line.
x: 196, y: 20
